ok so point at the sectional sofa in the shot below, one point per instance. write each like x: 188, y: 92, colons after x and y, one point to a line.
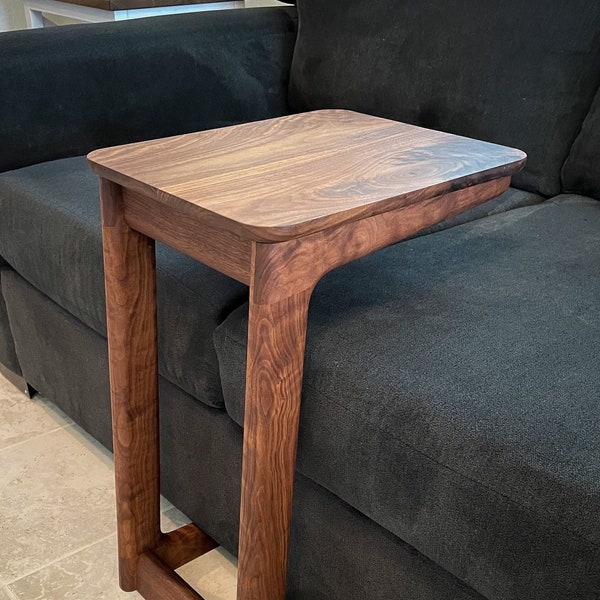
x: 449, y: 439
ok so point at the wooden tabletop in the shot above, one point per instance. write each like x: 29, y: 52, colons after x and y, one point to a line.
x: 291, y: 176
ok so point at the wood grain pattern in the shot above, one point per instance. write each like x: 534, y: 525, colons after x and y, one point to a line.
x: 277, y: 205
x: 179, y: 547
x: 284, y: 276
x: 158, y: 582
x: 292, y: 176
x: 129, y: 269
x: 276, y: 339
x: 299, y: 264
x: 212, y: 246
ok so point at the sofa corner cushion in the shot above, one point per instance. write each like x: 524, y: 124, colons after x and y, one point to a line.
x: 50, y: 233
x: 450, y: 393
x: 514, y: 73
x: 581, y: 171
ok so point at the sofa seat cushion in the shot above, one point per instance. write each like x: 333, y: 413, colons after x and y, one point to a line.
x: 521, y: 74
x: 50, y: 233
x: 451, y: 394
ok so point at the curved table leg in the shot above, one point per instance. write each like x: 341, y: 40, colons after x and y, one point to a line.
x: 275, y: 360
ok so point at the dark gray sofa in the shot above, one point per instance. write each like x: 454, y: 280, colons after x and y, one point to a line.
x: 449, y: 428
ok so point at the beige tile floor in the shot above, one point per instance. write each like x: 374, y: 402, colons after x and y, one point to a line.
x: 57, y: 516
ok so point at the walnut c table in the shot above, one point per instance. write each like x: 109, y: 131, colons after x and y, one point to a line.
x: 276, y: 205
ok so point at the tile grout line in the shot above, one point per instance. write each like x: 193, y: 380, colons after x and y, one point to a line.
x: 67, y: 555
x: 35, y: 437
x: 9, y: 587
x: 56, y: 560
x: 9, y: 592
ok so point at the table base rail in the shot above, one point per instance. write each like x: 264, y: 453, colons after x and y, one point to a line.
x: 156, y: 581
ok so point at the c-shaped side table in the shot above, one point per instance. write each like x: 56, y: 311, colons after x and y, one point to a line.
x: 276, y: 205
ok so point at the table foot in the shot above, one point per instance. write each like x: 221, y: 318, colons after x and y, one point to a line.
x: 156, y: 581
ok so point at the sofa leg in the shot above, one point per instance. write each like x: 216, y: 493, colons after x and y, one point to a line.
x: 17, y: 381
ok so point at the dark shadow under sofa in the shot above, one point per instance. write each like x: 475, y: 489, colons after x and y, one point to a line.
x: 449, y: 428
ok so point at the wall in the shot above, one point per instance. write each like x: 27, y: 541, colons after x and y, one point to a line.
x: 13, y: 17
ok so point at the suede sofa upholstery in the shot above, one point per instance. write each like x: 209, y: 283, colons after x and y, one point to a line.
x: 448, y: 438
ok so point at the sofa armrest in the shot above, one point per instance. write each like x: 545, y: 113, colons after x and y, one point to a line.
x: 68, y: 90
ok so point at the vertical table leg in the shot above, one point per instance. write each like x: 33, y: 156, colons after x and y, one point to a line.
x: 275, y: 359
x: 129, y: 264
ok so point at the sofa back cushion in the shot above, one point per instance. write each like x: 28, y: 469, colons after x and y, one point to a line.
x: 581, y: 172
x: 67, y: 90
x: 518, y: 73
